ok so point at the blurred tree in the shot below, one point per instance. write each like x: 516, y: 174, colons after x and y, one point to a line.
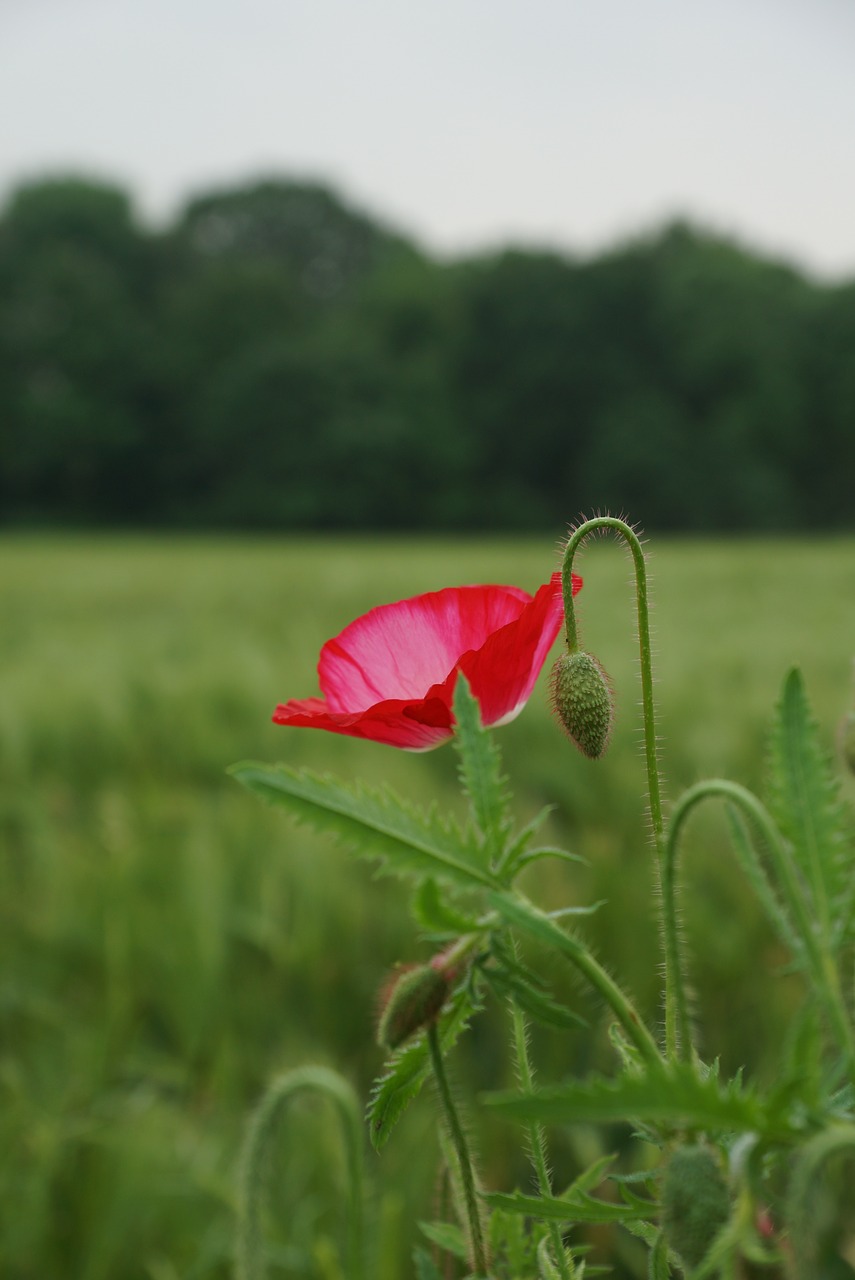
x: 519, y: 383
x: 278, y: 359
x: 303, y: 226
x: 75, y: 352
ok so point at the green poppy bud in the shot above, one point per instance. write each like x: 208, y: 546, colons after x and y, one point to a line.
x: 413, y: 1001
x: 695, y: 1202
x: 582, y: 698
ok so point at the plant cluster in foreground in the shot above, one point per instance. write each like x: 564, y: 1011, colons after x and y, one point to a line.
x: 739, y: 1181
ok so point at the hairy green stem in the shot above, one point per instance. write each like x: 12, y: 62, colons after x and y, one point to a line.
x: 670, y: 942
x: 536, y: 1136
x: 249, y: 1249
x: 461, y: 1147
x: 516, y: 910
x: 821, y: 961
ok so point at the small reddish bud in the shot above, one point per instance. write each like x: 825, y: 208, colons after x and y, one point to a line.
x: 582, y: 698
x: 413, y: 1001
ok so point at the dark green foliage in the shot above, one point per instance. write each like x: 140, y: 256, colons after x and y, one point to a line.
x: 278, y: 359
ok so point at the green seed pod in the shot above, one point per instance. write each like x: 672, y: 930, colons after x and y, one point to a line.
x: 414, y: 1000
x: 695, y: 1202
x: 582, y: 698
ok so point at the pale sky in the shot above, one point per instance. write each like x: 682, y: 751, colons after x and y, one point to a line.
x: 465, y: 123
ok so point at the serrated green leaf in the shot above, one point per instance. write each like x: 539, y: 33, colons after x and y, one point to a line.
x: 447, y: 1236
x: 375, y: 823
x: 755, y: 871
x: 805, y: 804
x: 547, y: 1269
x: 407, y: 1070
x: 570, y: 1210
x: 481, y: 774
x: 439, y: 917
x: 673, y: 1094
x: 537, y: 1003
x: 657, y: 1262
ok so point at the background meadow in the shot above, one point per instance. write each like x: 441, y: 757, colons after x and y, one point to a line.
x: 167, y: 944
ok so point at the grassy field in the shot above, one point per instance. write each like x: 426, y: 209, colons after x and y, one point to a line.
x: 167, y: 944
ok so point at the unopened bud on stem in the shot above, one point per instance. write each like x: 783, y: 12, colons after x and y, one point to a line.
x: 695, y: 1202
x: 414, y: 1001
x: 582, y: 698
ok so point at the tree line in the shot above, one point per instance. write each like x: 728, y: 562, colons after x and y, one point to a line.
x: 276, y: 359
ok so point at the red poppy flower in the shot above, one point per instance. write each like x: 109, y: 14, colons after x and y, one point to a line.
x: 390, y: 675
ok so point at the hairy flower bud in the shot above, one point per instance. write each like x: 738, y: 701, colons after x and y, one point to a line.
x: 413, y: 1001
x: 695, y: 1202
x: 582, y: 698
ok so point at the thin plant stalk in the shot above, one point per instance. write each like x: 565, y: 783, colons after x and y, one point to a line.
x: 261, y: 1130
x: 821, y: 961
x: 536, y: 1137
x: 461, y: 1147
x: 676, y: 1028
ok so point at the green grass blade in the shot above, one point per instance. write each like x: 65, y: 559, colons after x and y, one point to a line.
x: 408, y: 841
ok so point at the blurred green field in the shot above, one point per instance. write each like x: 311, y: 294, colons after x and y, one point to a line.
x: 167, y: 944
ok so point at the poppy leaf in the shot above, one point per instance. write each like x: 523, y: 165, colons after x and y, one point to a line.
x: 376, y: 824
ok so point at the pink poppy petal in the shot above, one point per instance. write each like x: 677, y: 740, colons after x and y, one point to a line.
x: 400, y: 650
x: 412, y: 726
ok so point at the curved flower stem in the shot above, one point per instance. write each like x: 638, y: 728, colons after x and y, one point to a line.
x: 536, y: 1138
x: 249, y: 1251
x: 464, y: 1160
x: 673, y: 979
x: 822, y: 964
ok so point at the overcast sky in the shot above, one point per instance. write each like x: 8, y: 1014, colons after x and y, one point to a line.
x: 466, y: 123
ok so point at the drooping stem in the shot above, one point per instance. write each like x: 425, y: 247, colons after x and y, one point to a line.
x: 249, y: 1251
x: 670, y: 940
x: 461, y: 1147
x: 821, y: 962
x: 536, y: 1136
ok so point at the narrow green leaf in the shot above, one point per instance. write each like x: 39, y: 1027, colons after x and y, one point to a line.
x: 447, y: 1236
x: 510, y: 977
x: 546, y: 851
x: 426, y: 1268
x: 481, y: 774
x: 805, y: 804
x: 438, y: 916
x: 376, y: 824
x: 407, y: 1070
x: 521, y: 841
x: 673, y: 1094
